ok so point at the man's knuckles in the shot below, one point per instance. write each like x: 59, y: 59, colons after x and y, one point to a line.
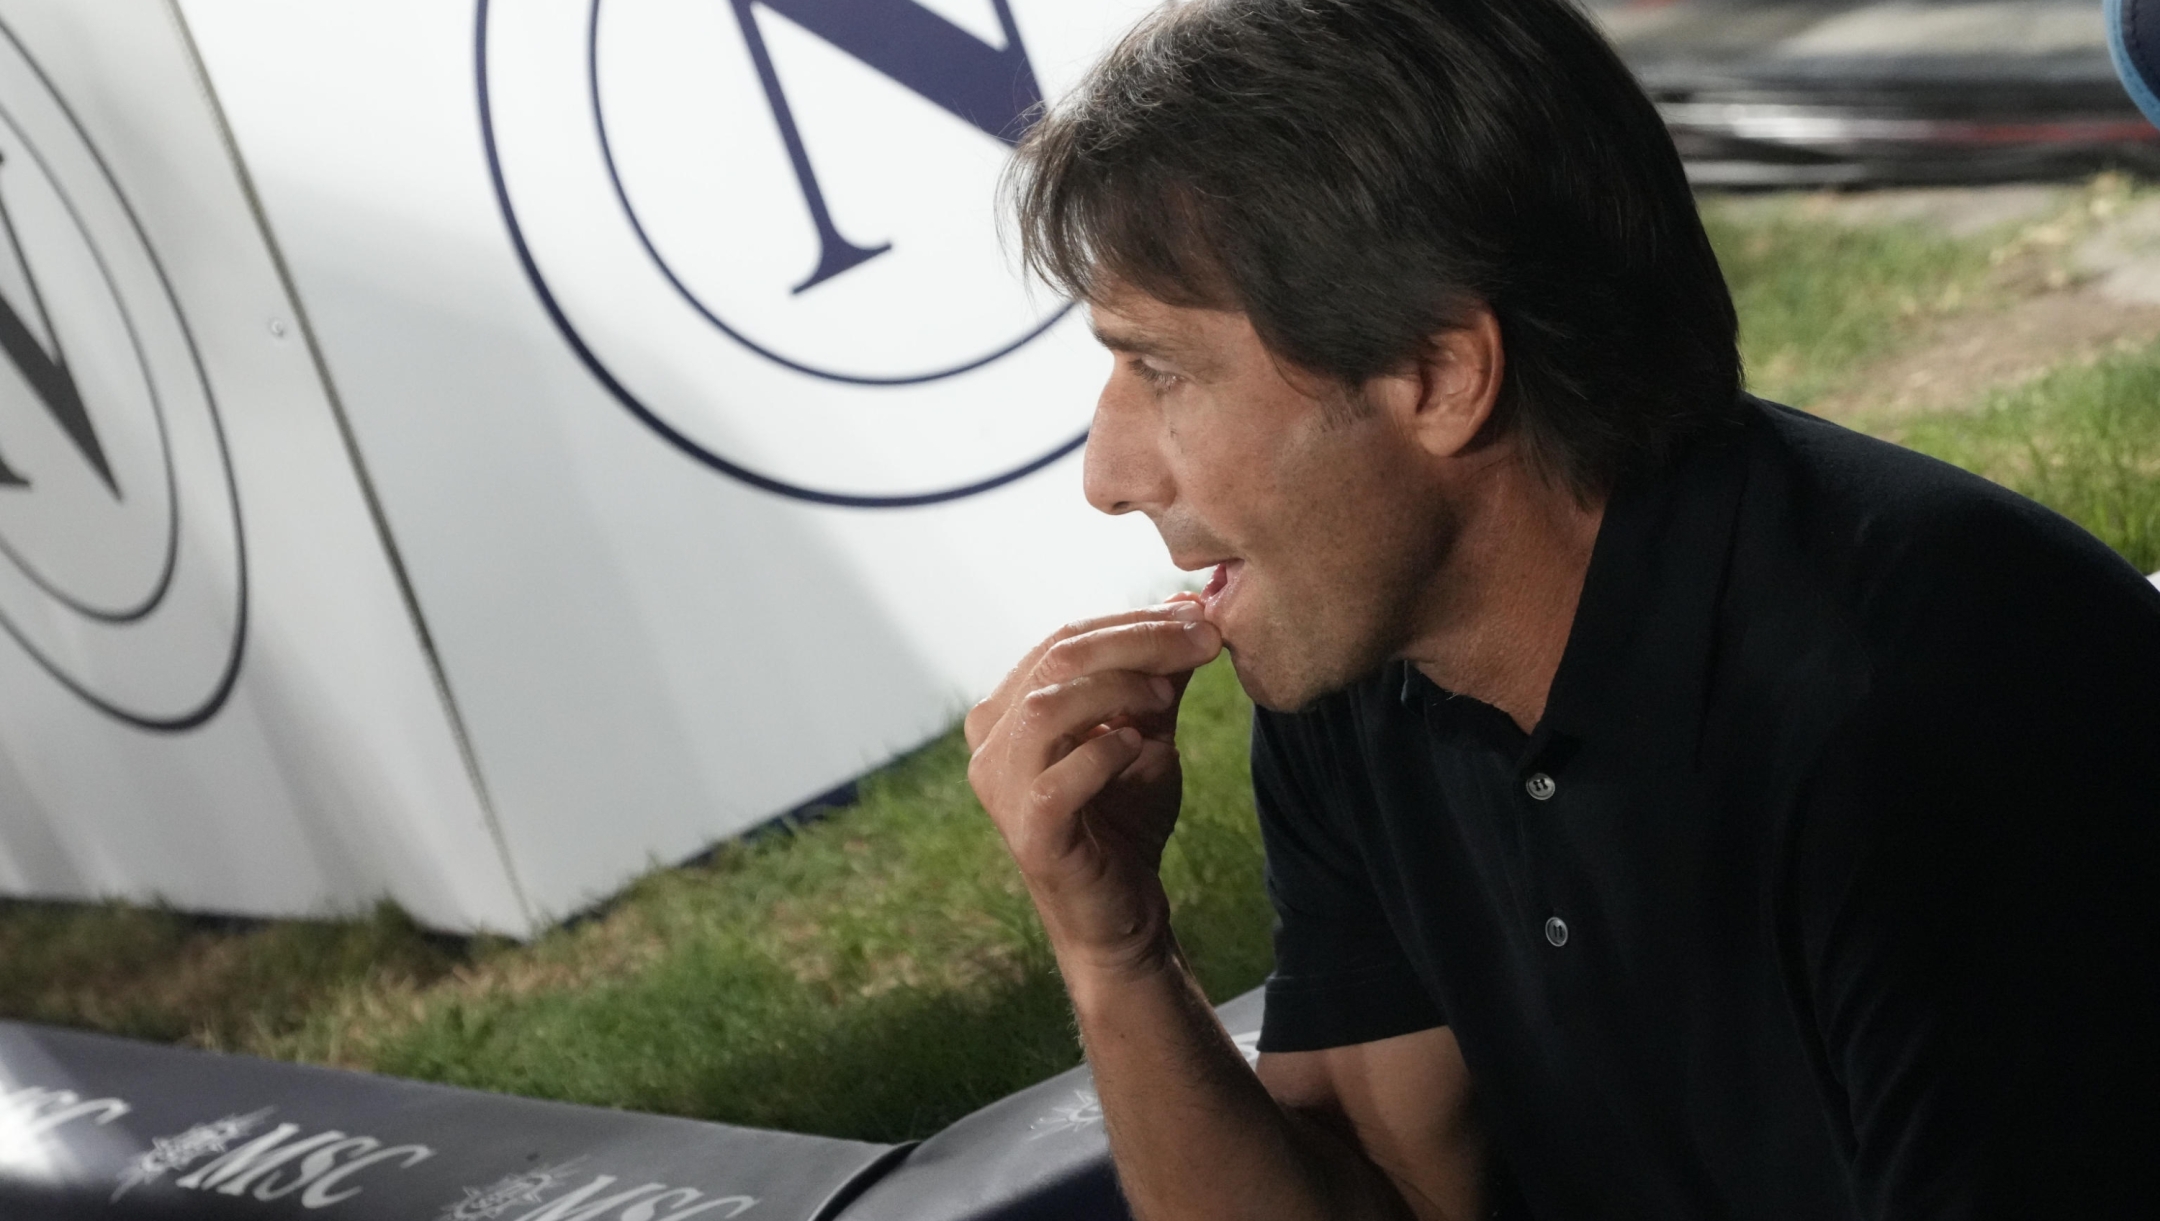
x: 981, y: 719
x: 1155, y: 647
x: 1046, y: 797
x: 1070, y: 708
x: 1037, y: 668
x: 1058, y: 791
x: 1144, y: 614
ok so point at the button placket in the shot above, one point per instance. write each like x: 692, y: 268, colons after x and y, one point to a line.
x: 1542, y: 787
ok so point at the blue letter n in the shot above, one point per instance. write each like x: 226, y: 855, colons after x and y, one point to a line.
x: 992, y: 88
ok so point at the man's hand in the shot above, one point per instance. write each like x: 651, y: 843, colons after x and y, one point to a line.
x: 1075, y: 757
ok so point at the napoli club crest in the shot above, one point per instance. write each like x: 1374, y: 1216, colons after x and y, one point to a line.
x: 770, y: 227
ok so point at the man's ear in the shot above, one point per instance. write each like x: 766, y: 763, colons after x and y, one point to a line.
x: 1445, y: 398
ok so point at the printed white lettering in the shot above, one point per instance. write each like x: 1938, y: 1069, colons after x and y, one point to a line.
x: 254, y: 1165
x: 32, y: 1105
x: 238, y: 1183
x: 66, y: 1108
x: 30, y: 1099
x: 651, y: 1202
x: 106, y: 1110
x: 511, y: 1191
x: 579, y: 1205
x: 239, y: 1159
x: 317, y: 1164
x: 687, y: 1198
x: 184, y: 1149
x: 649, y: 1207
x: 38, y: 1110
x: 318, y: 1194
x: 1081, y: 1114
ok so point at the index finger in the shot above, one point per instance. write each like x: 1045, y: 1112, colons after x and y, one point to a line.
x: 1156, y: 646
x: 1019, y: 679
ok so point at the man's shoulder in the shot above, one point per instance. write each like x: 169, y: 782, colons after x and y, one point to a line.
x: 1895, y: 546
x: 1869, y: 578
x: 1872, y: 513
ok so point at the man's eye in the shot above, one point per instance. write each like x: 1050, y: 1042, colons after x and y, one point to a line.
x: 1158, y: 378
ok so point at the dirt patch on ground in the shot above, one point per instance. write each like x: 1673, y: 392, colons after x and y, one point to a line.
x: 1961, y: 212
x: 2076, y: 274
x: 1967, y: 358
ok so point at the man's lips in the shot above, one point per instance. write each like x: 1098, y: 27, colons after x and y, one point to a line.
x: 1221, y: 584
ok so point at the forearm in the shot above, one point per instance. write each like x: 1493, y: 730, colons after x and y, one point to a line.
x: 1193, y: 1132
x: 1075, y: 760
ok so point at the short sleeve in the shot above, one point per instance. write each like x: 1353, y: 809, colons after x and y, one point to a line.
x: 1341, y: 976
x: 1977, y: 894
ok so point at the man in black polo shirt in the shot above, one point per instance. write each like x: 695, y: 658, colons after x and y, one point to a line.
x: 1690, y: 806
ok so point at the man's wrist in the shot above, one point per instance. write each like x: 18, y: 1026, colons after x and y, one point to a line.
x: 1098, y: 933
x: 1104, y: 980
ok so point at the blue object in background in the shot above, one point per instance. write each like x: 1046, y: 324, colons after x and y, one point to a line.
x: 2134, y: 44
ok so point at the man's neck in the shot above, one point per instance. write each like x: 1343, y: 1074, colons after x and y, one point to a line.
x: 1504, y: 603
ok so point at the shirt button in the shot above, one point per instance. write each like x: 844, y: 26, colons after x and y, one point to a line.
x: 1556, y: 931
x: 1540, y: 786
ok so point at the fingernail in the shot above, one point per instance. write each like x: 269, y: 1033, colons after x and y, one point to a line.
x: 1161, y: 687
x: 1187, y: 612
x: 1129, y: 736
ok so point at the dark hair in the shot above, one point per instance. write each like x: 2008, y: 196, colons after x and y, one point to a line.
x: 1351, y: 174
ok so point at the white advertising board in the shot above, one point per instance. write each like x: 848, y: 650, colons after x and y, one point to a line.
x: 211, y: 691
x: 610, y: 423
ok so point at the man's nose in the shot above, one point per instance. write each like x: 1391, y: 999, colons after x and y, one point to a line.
x: 1124, y: 468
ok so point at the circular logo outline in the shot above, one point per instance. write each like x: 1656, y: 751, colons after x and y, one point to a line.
x: 22, y: 563
x: 637, y: 227
x: 652, y: 419
x: 222, y: 689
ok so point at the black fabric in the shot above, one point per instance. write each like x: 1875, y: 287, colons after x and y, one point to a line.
x: 1856, y: 769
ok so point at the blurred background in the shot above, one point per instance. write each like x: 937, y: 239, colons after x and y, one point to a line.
x: 1765, y: 93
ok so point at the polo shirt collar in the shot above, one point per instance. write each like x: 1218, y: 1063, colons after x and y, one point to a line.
x: 1637, y: 664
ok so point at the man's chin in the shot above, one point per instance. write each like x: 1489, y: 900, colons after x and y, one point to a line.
x: 1276, y: 691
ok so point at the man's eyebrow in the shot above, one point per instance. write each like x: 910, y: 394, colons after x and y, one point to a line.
x: 1124, y: 341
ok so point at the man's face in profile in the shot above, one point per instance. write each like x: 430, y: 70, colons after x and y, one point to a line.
x: 1312, y: 513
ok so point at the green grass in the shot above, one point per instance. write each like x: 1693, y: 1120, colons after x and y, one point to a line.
x: 1817, y: 299
x: 878, y: 973
x: 875, y: 974
x: 156, y: 974
x: 2083, y: 440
